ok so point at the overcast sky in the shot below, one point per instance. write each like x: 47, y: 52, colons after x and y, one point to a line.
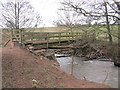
x: 47, y: 9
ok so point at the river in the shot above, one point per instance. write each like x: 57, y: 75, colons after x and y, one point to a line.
x: 94, y: 70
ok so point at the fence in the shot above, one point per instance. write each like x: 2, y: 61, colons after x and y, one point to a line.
x: 26, y: 36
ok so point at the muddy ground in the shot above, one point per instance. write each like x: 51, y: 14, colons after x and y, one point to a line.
x: 20, y: 67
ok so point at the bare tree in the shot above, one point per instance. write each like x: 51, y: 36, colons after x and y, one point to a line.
x: 101, y: 12
x: 67, y: 18
x: 19, y: 14
x: 118, y: 5
x: 107, y: 23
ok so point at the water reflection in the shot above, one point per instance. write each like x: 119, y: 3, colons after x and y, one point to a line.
x: 96, y: 71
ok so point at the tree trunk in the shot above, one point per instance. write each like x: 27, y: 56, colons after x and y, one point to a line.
x: 107, y: 24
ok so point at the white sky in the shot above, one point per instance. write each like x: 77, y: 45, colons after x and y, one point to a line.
x: 47, y: 9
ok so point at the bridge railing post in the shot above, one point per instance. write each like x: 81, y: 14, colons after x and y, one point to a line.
x: 66, y: 36
x: 47, y: 40
x: 69, y: 37
x: 31, y: 37
x: 22, y: 37
x: 59, y: 38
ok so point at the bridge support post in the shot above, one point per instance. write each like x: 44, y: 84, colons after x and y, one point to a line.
x: 72, y: 66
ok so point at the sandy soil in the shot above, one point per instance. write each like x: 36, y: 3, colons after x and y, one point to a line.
x: 20, y: 67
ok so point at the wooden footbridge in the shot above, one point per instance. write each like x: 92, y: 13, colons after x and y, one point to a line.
x: 45, y: 38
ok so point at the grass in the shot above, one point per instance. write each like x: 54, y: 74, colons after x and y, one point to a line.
x: 47, y: 30
x: 5, y: 36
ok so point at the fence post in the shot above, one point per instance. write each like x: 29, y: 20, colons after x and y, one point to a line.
x: 23, y: 37
x: 11, y: 34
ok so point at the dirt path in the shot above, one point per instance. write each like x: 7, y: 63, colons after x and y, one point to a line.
x: 20, y: 67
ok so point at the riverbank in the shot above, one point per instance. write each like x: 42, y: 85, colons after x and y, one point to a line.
x: 20, y: 68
